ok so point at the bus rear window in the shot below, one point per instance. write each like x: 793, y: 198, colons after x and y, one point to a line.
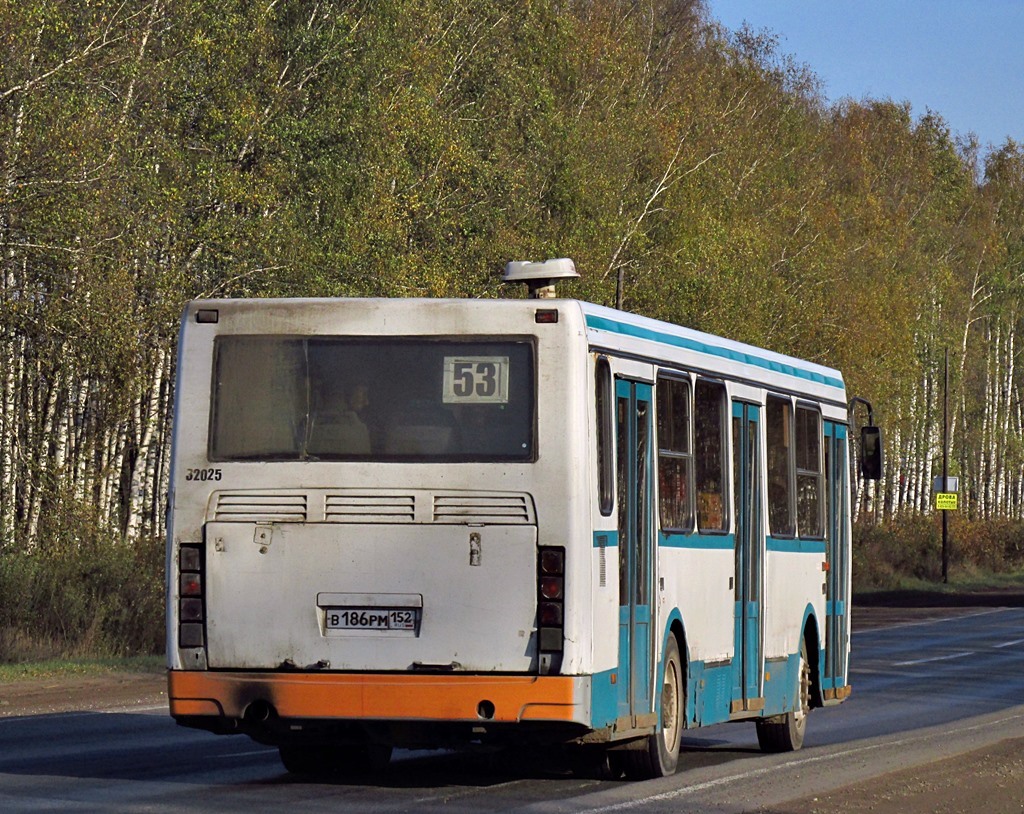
x: 332, y: 399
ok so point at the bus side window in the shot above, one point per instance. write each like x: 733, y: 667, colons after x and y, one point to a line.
x: 709, y: 455
x: 809, y: 475
x: 605, y: 434
x: 675, y: 458
x: 778, y: 415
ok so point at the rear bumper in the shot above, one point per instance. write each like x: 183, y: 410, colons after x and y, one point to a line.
x: 381, y: 697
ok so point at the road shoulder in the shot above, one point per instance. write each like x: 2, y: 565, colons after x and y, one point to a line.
x: 41, y: 696
x: 989, y: 779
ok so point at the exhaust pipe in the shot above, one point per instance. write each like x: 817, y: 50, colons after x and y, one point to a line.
x: 258, y: 712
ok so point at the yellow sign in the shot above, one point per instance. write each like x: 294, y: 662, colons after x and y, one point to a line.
x: 945, y: 501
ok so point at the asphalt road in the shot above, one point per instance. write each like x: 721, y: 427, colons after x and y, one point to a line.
x: 922, y: 692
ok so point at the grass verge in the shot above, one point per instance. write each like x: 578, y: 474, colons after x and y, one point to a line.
x: 80, y: 668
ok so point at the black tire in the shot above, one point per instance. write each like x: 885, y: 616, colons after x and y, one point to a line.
x: 785, y: 733
x: 309, y: 760
x: 335, y: 761
x: 612, y: 766
x: 659, y: 755
x: 373, y: 757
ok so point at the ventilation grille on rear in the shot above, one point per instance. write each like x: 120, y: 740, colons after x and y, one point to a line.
x: 483, y: 509
x: 370, y: 508
x: 248, y: 507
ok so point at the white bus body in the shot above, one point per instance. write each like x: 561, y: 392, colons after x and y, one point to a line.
x: 430, y: 522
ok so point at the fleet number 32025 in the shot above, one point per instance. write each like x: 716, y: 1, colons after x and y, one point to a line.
x: 203, y: 474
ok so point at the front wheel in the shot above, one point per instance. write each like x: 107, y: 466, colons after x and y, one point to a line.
x: 659, y: 756
x: 785, y: 733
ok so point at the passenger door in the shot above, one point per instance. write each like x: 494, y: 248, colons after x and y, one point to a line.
x: 749, y: 549
x: 836, y: 559
x: 634, y: 440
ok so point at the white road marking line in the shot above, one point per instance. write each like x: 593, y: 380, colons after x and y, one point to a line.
x: 83, y: 713
x: 722, y: 781
x: 1014, y: 643
x: 254, y: 753
x: 942, y: 620
x: 934, y: 658
x: 449, y: 794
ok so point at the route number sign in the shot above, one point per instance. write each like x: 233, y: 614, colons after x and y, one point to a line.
x: 475, y: 380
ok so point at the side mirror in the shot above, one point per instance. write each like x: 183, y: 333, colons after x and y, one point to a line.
x: 871, y: 453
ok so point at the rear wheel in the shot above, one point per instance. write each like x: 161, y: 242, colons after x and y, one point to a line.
x: 325, y: 761
x: 659, y: 756
x: 310, y: 760
x: 785, y: 733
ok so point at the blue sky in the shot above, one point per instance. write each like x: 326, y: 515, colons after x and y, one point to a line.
x: 963, y: 59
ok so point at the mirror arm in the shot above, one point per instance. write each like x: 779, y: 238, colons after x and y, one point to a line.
x: 858, y: 400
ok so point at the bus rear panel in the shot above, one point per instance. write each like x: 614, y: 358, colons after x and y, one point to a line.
x: 355, y: 528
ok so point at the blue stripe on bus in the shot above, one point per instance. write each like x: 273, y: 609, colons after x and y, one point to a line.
x: 604, y: 324
x: 838, y: 430
x: 704, y: 542
x: 604, y: 697
x: 708, y: 702
x: 782, y: 680
x: 793, y: 546
x: 611, y: 539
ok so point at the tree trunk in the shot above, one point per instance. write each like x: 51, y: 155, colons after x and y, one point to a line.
x: 141, y: 488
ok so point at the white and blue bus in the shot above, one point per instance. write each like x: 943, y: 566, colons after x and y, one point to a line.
x: 422, y: 523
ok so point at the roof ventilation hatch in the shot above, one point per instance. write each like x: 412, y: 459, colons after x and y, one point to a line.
x: 540, y: 277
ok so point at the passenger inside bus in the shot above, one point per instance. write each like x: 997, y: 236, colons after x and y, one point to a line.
x: 337, y: 428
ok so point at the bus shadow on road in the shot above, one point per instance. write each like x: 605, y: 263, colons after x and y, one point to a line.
x: 148, y: 747
x: 493, y: 767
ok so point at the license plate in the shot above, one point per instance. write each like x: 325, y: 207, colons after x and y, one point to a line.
x: 371, y: 618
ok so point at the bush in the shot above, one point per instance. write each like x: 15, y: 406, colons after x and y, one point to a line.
x: 910, y: 548
x: 993, y: 545
x: 98, y: 598
x: 885, y: 554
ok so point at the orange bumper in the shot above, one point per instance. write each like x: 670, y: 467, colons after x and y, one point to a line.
x: 381, y: 697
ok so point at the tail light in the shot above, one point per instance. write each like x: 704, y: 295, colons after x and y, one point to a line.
x: 191, y: 606
x: 550, y: 607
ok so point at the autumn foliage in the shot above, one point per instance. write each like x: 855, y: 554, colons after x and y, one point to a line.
x: 153, y: 151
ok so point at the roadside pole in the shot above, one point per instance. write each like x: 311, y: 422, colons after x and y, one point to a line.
x: 945, y: 464
x: 946, y: 488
